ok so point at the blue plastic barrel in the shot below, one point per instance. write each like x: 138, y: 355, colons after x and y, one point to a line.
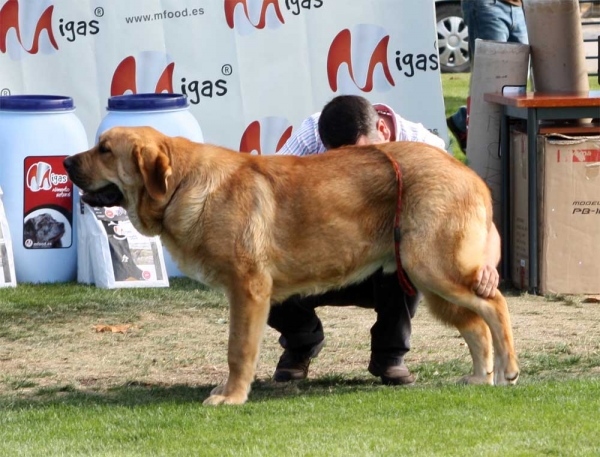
x: 37, y: 132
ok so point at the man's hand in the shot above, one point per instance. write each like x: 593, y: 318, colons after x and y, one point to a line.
x: 486, y: 281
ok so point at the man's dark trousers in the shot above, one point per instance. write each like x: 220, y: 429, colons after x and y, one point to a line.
x: 301, y: 329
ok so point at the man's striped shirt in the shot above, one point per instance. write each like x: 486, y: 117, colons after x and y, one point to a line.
x: 306, y: 139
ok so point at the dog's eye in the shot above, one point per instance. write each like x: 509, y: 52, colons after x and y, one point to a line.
x: 103, y: 149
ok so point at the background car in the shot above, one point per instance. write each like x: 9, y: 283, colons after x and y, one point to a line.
x: 453, y: 37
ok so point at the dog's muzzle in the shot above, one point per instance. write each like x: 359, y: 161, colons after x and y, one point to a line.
x: 109, y: 195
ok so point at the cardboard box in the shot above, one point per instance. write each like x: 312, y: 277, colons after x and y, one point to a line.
x: 568, y: 213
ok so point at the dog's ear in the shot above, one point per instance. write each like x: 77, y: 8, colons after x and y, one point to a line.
x: 155, y: 168
x: 29, y: 225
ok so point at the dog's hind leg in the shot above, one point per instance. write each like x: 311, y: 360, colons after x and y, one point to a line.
x: 249, y: 309
x: 463, y: 246
x: 475, y: 332
x: 494, y: 312
x: 477, y: 336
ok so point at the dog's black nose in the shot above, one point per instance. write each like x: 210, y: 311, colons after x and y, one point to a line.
x: 68, y: 163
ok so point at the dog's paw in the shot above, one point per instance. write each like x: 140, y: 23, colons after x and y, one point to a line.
x: 508, y: 378
x: 218, y: 396
x: 215, y: 400
x: 511, y: 373
x: 472, y: 379
x: 508, y: 374
x: 511, y: 378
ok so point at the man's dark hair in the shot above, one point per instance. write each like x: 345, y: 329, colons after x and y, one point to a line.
x: 344, y: 119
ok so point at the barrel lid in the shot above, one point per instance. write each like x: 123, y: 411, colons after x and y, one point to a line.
x: 147, y: 102
x: 31, y: 103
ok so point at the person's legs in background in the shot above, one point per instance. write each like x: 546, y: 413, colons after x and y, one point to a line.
x: 518, y: 28
x: 491, y: 20
x: 495, y: 20
x: 457, y: 124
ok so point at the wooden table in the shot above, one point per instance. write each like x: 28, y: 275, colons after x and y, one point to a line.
x: 533, y: 107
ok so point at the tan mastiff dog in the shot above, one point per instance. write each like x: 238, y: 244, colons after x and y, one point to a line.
x: 262, y: 228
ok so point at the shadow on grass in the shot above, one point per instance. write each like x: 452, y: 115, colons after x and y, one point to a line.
x: 535, y: 369
x: 135, y: 393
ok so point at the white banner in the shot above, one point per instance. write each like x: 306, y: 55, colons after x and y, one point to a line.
x: 252, y: 69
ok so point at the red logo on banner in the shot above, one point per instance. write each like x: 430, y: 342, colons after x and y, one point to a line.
x: 232, y: 5
x: 360, y: 67
x: 150, y: 72
x: 9, y: 20
x: 266, y: 136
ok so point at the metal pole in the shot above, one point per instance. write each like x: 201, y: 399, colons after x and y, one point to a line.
x: 532, y: 129
x: 506, y: 203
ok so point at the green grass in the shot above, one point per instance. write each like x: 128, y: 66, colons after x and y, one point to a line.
x: 553, y: 410
x: 547, y: 418
x: 456, y: 91
x: 35, y: 302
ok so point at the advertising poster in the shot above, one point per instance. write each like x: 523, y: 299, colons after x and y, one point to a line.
x: 252, y: 69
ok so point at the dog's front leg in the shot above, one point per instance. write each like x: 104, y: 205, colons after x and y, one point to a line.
x: 249, y: 309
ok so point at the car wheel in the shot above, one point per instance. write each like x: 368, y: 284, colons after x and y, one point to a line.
x: 453, y: 39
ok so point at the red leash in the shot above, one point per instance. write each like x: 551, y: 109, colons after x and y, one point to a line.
x: 404, y: 282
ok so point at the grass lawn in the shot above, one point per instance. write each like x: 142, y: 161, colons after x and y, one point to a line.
x: 67, y: 390
x: 546, y: 418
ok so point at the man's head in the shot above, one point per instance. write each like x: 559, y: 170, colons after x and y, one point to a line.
x: 351, y: 119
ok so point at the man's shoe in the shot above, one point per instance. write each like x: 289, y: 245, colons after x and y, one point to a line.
x: 460, y: 136
x: 393, y: 374
x: 293, y: 365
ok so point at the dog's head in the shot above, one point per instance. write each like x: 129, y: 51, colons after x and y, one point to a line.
x: 128, y: 165
x: 43, y: 229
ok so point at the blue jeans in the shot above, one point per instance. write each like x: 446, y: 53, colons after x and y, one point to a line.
x: 491, y: 20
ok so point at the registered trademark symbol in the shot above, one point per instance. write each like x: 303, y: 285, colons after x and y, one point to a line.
x: 99, y: 12
x: 226, y: 69
x: 4, y: 92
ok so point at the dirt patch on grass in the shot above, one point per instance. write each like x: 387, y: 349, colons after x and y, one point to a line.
x: 189, y: 345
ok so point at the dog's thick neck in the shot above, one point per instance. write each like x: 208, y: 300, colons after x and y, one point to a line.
x: 193, y: 190
x: 150, y: 220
